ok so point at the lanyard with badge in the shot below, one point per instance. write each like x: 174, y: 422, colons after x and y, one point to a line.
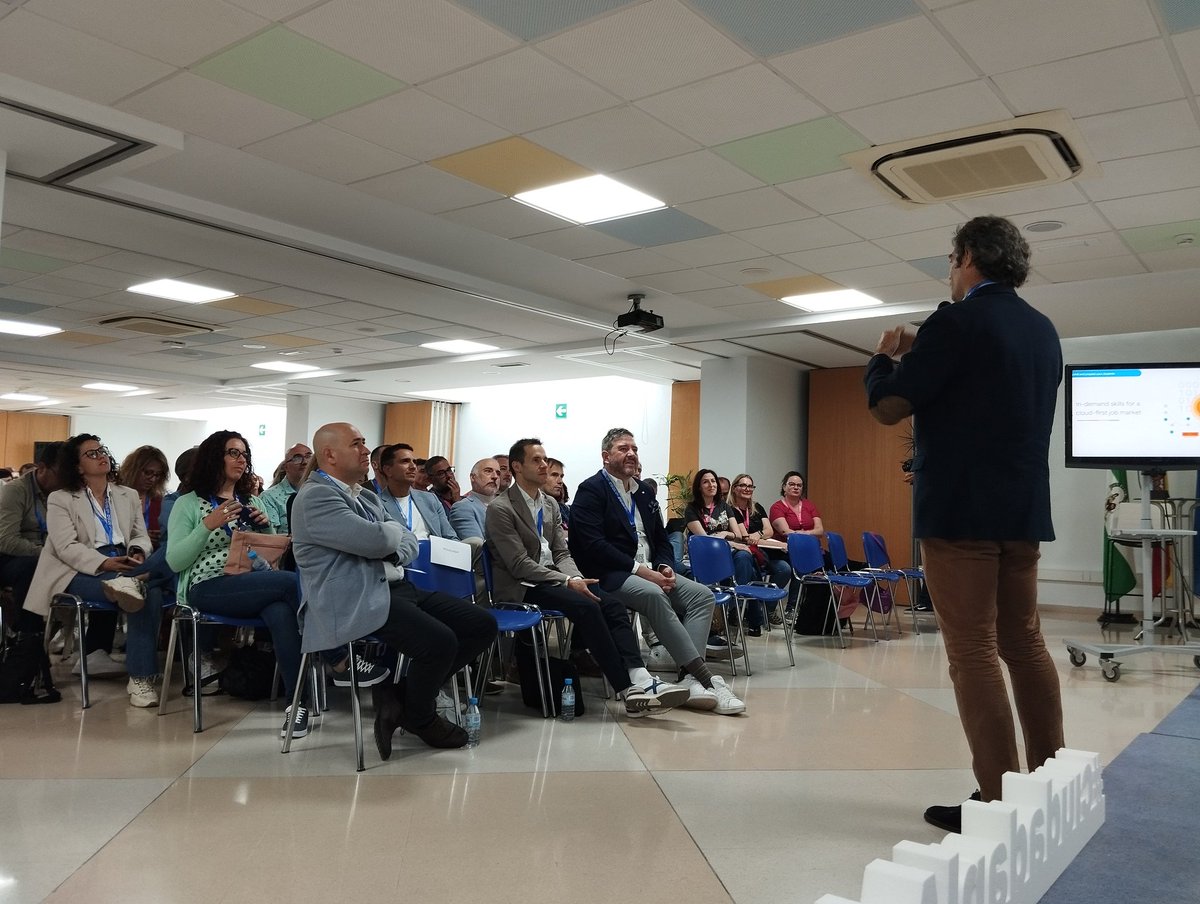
x: 105, y: 517
x: 643, y: 549
x: 359, y: 509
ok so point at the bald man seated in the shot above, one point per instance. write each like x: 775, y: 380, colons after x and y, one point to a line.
x: 351, y: 555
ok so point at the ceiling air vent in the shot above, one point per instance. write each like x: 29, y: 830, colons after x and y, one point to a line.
x: 1026, y: 152
x: 155, y: 326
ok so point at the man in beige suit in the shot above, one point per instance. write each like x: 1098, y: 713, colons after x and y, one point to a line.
x: 531, y: 564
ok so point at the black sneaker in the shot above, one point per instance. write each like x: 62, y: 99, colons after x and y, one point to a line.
x: 368, y: 673
x: 949, y: 819
x: 299, y: 724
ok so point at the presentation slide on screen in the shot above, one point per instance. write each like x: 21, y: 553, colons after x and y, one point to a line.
x: 1136, y: 412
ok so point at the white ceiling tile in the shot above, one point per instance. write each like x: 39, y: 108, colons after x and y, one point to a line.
x: 1101, y: 82
x: 275, y: 10
x: 394, y: 37
x: 506, y: 218
x: 632, y: 263
x: 906, y: 57
x: 575, y: 242
x: 52, y: 245
x: 682, y: 281
x: 1103, y: 268
x: 211, y: 110
x: 798, y: 236
x: 1002, y: 35
x: 144, y: 265
x: 1077, y: 248
x: 735, y: 273
x: 426, y: 188
x: 892, y: 219
x: 883, y: 275
x: 1082, y: 219
x: 943, y: 110
x: 835, y: 192
x: 53, y: 55
x: 613, y: 139
x: 1145, y: 175
x: 308, y: 318
x: 60, y: 286
x: 913, y: 246
x: 733, y: 295
x: 1149, y: 210
x: 923, y: 290
x: 353, y: 310
x: 1010, y: 203
x: 646, y: 48
x: 97, y: 276
x: 701, y: 174
x: 417, y: 125
x: 410, y: 322
x: 745, y: 210
x: 841, y: 257
x: 196, y: 28
x: 1187, y: 48
x: 520, y: 91
x: 1184, y: 258
x: 713, y: 249
x: 329, y: 154
x: 715, y: 110
x: 1146, y: 130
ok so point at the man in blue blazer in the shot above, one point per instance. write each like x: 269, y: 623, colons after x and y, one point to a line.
x: 617, y: 536
x: 981, y: 381
x: 350, y: 552
x: 421, y: 511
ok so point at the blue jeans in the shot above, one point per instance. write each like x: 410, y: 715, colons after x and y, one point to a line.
x: 141, y: 627
x: 272, y: 596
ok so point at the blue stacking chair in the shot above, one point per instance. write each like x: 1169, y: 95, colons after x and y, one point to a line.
x: 808, y: 567
x: 881, y: 573
x: 712, y: 565
x: 877, y: 558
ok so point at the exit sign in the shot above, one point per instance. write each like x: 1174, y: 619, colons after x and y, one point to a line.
x: 560, y: 411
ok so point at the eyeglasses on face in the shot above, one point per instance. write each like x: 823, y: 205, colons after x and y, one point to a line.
x: 792, y: 484
x: 237, y: 454
x: 299, y: 459
x: 442, y: 472
x: 97, y: 454
x: 153, y: 474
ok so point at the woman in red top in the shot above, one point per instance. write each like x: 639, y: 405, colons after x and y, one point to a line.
x: 794, y: 513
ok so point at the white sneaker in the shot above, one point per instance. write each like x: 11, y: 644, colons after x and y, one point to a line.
x: 667, y: 695
x: 142, y: 692
x: 99, y: 663
x: 699, y: 697
x: 659, y: 660
x: 209, y: 673
x: 445, y: 707
x: 727, y: 703
x: 58, y: 641
x: 128, y: 593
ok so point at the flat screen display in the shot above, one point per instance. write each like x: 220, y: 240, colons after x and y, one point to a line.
x: 1143, y: 417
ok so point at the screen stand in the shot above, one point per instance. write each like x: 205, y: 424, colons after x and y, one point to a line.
x: 1109, y: 653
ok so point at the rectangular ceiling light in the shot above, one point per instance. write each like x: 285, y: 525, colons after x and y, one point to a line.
x: 589, y: 200
x: 287, y: 367
x: 175, y: 290
x: 459, y: 346
x: 24, y: 397
x: 841, y: 300
x: 17, y: 328
x: 110, y: 387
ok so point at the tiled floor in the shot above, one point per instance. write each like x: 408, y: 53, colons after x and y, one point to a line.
x: 831, y: 766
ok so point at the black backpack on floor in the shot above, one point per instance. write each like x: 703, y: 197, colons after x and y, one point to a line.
x: 25, y: 671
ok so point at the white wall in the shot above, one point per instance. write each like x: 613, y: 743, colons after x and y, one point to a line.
x: 1071, y: 566
x: 307, y: 412
x: 492, y: 418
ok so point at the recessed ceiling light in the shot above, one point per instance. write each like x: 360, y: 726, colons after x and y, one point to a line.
x: 251, y: 345
x: 176, y: 290
x: 287, y: 367
x: 24, y: 397
x: 110, y: 387
x: 17, y: 328
x: 317, y: 373
x: 290, y: 354
x: 139, y: 392
x: 1044, y: 226
x: 459, y: 346
x: 841, y: 300
x: 755, y: 271
x: 590, y: 200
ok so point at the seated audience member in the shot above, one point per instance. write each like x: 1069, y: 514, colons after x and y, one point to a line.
x: 794, y: 513
x: 144, y: 470
x: 23, y: 528
x: 618, y: 537
x: 467, y: 515
x: 274, y: 500
x: 26, y: 468
x: 351, y: 551
x: 7, y: 475
x: 377, y: 479
x: 421, y: 512
x: 421, y: 482
x: 183, y: 471
x: 95, y: 533
x: 556, y: 489
x: 201, y: 532
x: 442, y: 482
x: 759, y: 535
x: 531, y: 564
x: 505, y: 473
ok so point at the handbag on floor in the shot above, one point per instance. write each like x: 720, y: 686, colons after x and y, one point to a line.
x: 25, y: 671
x: 560, y: 670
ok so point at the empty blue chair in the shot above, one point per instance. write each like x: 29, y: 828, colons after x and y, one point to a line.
x: 808, y: 567
x: 877, y: 557
x: 881, y: 572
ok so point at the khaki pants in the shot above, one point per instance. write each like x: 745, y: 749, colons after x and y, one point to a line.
x: 985, y: 599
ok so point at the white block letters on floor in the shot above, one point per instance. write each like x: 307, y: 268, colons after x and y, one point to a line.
x: 1010, y: 851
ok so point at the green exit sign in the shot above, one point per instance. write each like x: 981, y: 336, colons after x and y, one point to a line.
x: 560, y: 411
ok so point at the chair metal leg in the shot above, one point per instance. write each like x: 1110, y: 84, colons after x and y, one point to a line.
x: 296, y: 695
x: 81, y: 619
x: 356, y: 711
x: 541, y: 659
x: 164, y: 691
x: 197, y: 714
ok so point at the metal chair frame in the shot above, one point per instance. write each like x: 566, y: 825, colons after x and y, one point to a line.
x: 808, y: 567
x: 874, y: 603
x: 876, y: 552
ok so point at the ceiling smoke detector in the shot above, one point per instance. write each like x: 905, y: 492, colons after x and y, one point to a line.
x: 1025, y: 152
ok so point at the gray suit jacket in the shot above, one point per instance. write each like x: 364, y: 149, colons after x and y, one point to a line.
x: 467, y: 517
x: 71, y: 542
x: 515, y: 545
x: 431, y: 510
x: 340, y: 555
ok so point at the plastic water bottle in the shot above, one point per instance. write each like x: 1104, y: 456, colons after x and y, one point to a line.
x: 567, y: 711
x: 257, y: 563
x: 474, y: 722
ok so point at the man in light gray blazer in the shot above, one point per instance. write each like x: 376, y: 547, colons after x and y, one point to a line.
x: 421, y: 511
x: 467, y: 515
x: 530, y: 563
x: 351, y: 552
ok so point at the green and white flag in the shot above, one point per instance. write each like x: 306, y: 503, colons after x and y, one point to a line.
x: 1119, y: 579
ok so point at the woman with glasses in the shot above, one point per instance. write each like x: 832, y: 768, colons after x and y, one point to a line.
x: 200, y: 534
x: 144, y: 470
x: 95, y: 534
x: 770, y: 554
x: 794, y: 513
